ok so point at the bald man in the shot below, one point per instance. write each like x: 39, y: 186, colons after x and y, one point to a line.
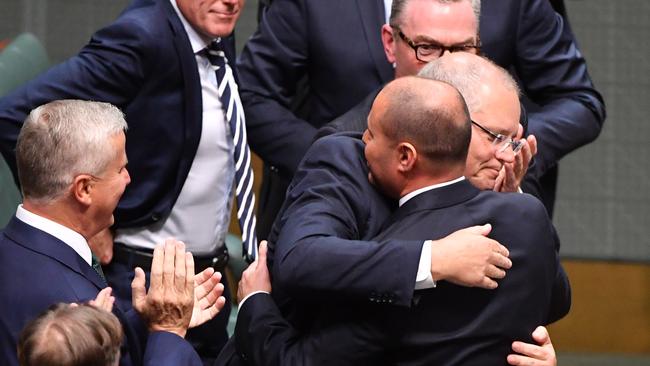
x: 337, y: 159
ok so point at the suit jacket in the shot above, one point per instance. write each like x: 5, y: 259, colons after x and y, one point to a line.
x: 38, y: 270
x: 336, y: 46
x: 307, y: 235
x: 143, y: 63
x: 447, y: 325
x: 455, y: 325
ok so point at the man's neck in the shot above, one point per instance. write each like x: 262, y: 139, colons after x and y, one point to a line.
x: 424, y: 187
x: 59, y: 213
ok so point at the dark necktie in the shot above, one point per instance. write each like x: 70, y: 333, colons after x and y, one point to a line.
x: 234, y: 114
x: 97, y: 267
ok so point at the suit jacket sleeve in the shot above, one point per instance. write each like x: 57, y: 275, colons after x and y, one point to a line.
x: 270, y: 66
x: 554, y: 75
x: 263, y: 337
x: 110, y: 68
x: 330, y: 208
x: 165, y: 348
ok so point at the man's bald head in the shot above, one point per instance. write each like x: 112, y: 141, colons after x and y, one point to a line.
x: 418, y: 134
x: 492, y: 98
x: 431, y: 115
x: 476, y: 78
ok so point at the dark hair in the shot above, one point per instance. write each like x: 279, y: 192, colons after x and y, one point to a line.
x: 67, y: 335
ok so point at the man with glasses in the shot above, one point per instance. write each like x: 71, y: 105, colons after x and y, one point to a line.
x: 325, y: 56
x: 331, y: 194
x: 421, y: 31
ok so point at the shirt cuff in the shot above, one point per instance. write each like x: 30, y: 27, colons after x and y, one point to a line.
x: 423, y: 278
x: 241, y: 303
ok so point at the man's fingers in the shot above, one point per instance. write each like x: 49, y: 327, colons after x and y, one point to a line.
x: 207, y: 288
x: 494, y: 272
x: 203, y: 276
x: 138, y: 291
x: 500, y: 259
x: 180, y: 266
x: 189, y: 271
x: 261, y: 255
x: 169, y: 257
x: 529, y: 350
x: 156, y: 276
x: 209, y: 298
x: 103, y: 296
x: 541, y: 336
x: 532, y: 142
x: 477, y: 230
x: 498, y: 183
x: 500, y: 249
x: 488, y: 283
x: 213, y: 310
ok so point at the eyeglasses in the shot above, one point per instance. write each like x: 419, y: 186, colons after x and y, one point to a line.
x: 426, y: 52
x: 501, y: 142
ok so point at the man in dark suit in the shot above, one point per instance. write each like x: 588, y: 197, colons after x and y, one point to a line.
x: 152, y: 62
x: 416, y: 146
x: 336, y: 47
x: 449, y: 324
x: 331, y: 200
x: 71, y: 162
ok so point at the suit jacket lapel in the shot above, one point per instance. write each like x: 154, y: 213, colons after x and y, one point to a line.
x: 46, y: 244
x: 371, y: 14
x: 191, y: 83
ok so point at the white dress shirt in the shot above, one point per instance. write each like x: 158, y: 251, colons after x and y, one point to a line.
x: 72, y: 238
x: 387, y: 7
x: 201, y: 214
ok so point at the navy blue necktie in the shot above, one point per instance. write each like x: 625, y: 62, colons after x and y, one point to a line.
x: 243, y: 173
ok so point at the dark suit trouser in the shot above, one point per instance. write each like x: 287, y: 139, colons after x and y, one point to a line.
x: 207, y: 339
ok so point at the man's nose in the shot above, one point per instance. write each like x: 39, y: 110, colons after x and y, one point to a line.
x: 505, y: 155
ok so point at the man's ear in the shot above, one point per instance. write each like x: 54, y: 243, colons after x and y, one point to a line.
x: 82, y: 187
x: 388, y: 41
x: 407, y: 156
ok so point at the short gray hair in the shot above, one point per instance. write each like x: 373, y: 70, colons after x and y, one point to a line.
x: 398, y: 8
x: 61, y: 140
x: 468, y: 76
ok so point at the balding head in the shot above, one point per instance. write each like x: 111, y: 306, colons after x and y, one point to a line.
x: 71, y: 336
x: 413, y: 115
x: 479, y: 80
x: 492, y: 98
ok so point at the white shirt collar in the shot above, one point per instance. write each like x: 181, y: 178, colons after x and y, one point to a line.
x: 72, y: 238
x: 197, y: 41
x: 404, y: 199
x: 387, y: 8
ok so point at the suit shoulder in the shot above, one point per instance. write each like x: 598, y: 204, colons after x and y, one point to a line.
x: 515, y: 203
x: 337, y: 143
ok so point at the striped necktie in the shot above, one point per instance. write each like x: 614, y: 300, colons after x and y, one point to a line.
x: 242, y: 155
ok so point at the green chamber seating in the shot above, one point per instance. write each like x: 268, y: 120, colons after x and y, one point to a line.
x: 23, y: 59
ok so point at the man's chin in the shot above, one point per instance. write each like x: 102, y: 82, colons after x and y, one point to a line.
x: 483, y: 183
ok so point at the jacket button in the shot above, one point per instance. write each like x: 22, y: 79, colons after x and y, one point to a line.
x: 155, y: 217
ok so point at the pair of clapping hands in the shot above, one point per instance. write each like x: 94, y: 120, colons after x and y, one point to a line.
x: 177, y: 298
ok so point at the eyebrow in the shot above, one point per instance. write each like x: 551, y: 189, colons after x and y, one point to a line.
x: 422, y: 39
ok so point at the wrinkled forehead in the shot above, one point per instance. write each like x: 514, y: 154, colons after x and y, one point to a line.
x: 499, y: 111
x: 445, y: 23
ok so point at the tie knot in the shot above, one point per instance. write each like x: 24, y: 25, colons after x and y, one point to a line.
x: 215, y: 53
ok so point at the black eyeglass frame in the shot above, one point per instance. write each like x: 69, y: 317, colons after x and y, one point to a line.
x: 442, y: 48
